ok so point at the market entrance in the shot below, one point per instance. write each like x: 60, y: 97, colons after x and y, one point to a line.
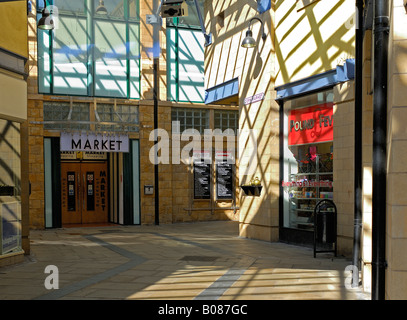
x: 84, y: 192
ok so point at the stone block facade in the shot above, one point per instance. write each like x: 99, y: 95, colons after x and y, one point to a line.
x: 176, y: 203
x: 396, y: 227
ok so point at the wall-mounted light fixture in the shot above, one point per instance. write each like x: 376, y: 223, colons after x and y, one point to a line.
x: 46, y: 22
x: 101, y: 9
x: 174, y: 8
x: 29, y: 7
x: 249, y: 41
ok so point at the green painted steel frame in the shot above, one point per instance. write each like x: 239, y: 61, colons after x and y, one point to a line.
x: 90, y: 19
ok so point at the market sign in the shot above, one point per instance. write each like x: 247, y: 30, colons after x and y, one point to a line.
x: 94, y: 142
x: 311, y: 125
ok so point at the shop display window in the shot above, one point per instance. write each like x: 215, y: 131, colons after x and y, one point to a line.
x: 308, y: 158
x: 10, y: 187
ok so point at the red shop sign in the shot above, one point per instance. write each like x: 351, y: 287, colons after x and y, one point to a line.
x: 311, y: 124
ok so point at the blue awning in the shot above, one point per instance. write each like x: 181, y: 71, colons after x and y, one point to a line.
x: 327, y: 79
x: 222, y: 91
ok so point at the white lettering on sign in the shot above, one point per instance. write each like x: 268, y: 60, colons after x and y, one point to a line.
x: 94, y: 142
x: 256, y: 98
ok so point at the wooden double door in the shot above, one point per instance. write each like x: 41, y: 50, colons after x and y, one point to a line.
x: 84, y: 188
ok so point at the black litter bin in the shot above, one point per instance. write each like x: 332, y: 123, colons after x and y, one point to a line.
x: 325, y: 235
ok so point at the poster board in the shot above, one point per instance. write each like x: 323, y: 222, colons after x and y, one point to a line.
x: 224, y: 175
x: 202, y: 175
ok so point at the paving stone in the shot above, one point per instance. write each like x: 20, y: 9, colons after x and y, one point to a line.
x: 205, y: 260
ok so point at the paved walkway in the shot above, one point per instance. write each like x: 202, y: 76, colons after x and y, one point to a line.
x: 188, y: 261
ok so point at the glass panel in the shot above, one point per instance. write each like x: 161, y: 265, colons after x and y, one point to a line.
x: 70, y: 7
x: 136, y: 181
x: 54, y: 111
x: 115, y: 8
x: 48, y: 182
x: 82, y: 38
x: 118, y: 114
x: 226, y: 120
x: 191, y: 66
x: 70, y: 56
x: 90, y: 191
x: 172, y: 66
x: 10, y: 187
x: 308, y: 162
x: 192, y: 18
x: 134, y: 59
x: 134, y: 10
x: 110, y: 59
x: 196, y: 119
x: 80, y: 112
x: 59, y: 111
x: 44, y: 61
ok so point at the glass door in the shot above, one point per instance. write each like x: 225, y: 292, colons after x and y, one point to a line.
x: 308, y: 161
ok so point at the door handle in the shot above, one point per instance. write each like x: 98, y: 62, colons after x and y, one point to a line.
x: 78, y: 193
x: 85, y: 192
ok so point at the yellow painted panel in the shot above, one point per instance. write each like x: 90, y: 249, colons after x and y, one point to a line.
x: 13, y: 98
x: 13, y: 27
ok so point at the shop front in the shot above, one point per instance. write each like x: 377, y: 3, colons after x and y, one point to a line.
x: 90, y: 187
x: 84, y: 190
x: 316, y: 155
x: 307, y: 167
x: 91, y: 176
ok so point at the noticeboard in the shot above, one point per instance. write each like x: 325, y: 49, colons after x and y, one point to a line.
x: 202, y: 180
x: 224, y: 180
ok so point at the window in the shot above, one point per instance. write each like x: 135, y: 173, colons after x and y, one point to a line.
x: 76, y: 116
x: 10, y: 187
x: 308, y: 157
x: 89, y: 54
x: 227, y: 120
x: 185, y: 63
x: 118, y: 113
x: 190, y: 119
x: 64, y: 116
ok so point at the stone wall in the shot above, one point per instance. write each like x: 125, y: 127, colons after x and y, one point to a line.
x: 396, y: 224
x: 343, y: 162
x: 175, y: 181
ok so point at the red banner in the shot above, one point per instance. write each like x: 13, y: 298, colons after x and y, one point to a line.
x: 311, y: 124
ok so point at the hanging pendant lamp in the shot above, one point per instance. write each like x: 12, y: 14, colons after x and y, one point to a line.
x: 101, y: 9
